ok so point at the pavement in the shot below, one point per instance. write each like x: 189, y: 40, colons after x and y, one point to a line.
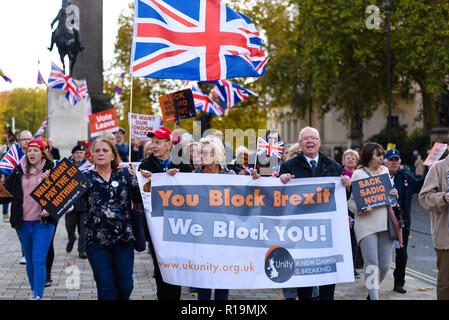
x: 67, y: 285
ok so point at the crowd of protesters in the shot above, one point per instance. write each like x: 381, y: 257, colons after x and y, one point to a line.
x: 105, y: 216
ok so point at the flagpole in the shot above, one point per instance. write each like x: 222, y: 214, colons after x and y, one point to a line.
x: 130, y: 111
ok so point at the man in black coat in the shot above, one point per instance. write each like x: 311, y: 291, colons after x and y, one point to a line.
x: 312, y: 163
x: 406, y: 186
x: 161, y: 161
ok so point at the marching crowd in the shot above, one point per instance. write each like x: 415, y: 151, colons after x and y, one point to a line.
x: 111, y: 225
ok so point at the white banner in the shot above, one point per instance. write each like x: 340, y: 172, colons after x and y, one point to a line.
x: 233, y: 232
x: 141, y: 124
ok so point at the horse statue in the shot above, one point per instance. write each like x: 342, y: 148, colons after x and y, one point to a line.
x: 66, y: 34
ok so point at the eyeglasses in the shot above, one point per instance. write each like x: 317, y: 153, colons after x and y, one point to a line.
x: 313, y: 139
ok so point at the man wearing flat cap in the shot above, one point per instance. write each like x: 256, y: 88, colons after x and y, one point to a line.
x: 406, y: 186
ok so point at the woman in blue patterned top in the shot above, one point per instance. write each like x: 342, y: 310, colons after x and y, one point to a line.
x: 110, y: 238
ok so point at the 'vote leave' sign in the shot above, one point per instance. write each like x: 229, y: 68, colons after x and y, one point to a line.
x: 103, y: 121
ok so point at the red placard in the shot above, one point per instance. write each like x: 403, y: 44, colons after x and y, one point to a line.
x: 103, y: 121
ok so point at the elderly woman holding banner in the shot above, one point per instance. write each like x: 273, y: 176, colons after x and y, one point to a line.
x: 370, y: 226
x: 34, y: 226
x: 109, y: 224
x: 213, y: 160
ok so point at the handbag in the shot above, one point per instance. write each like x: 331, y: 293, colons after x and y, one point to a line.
x: 394, y: 227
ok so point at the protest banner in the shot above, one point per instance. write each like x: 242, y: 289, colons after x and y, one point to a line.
x: 268, y: 235
x: 105, y: 121
x: 4, y: 193
x: 141, y: 124
x: 373, y: 191
x: 177, y: 106
x: 65, y: 185
x: 435, y: 153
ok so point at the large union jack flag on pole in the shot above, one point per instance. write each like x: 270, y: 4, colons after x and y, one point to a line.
x: 270, y: 147
x: 58, y: 79
x: 200, y: 40
x: 204, y: 103
x: 11, y: 159
x: 229, y: 93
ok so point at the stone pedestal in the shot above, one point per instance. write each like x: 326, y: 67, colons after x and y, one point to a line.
x: 439, y: 134
x: 66, y: 124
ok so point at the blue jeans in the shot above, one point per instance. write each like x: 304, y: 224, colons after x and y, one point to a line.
x: 35, y: 238
x: 220, y: 294
x: 112, y: 267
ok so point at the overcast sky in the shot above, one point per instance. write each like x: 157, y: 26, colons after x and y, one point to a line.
x: 25, y: 35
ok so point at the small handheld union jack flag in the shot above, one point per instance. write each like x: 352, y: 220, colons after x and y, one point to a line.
x: 41, y: 129
x: 11, y: 159
x: 275, y: 173
x: 271, y: 147
x: 249, y: 169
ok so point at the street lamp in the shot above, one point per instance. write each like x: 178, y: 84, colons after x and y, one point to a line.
x: 389, y: 4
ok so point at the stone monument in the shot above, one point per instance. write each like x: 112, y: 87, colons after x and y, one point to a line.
x: 79, y: 35
x: 89, y: 64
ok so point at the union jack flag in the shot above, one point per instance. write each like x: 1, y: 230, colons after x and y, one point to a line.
x: 11, y: 159
x: 58, y: 79
x: 229, y: 93
x: 85, y: 166
x: 41, y: 129
x: 204, y: 103
x: 275, y: 173
x: 270, y: 147
x: 249, y: 169
x: 82, y: 90
x: 202, y: 40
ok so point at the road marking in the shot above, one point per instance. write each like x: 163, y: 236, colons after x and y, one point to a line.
x: 418, y: 275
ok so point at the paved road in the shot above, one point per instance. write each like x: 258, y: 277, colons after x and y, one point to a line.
x: 14, y: 284
x: 421, y: 254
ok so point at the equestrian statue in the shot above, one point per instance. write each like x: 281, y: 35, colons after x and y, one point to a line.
x: 66, y: 35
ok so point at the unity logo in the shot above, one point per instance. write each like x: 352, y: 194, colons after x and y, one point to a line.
x: 279, y: 264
